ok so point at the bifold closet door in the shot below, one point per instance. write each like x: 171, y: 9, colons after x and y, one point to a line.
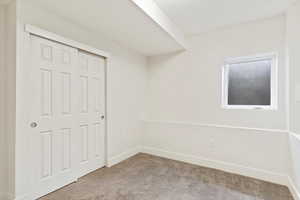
x: 66, y: 111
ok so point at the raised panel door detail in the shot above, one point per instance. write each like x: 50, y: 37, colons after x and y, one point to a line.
x: 46, y: 153
x: 97, y: 93
x: 66, y: 57
x: 95, y: 65
x: 46, y: 52
x: 66, y: 93
x: 83, y: 62
x: 98, y: 139
x: 84, y: 94
x: 84, y: 131
x: 46, y: 92
x: 66, y: 148
x: 67, y: 100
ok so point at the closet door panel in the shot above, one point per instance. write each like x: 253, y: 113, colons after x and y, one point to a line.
x: 92, y: 111
x: 53, y: 112
x: 66, y: 110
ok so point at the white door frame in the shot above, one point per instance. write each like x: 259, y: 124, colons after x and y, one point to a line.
x: 33, y: 30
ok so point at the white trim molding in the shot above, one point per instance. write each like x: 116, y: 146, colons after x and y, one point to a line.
x: 54, y: 37
x: 216, y: 126
x: 273, y: 57
x: 264, y: 175
x: 219, y: 165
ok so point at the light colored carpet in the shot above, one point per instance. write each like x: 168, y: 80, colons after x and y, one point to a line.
x: 146, y: 177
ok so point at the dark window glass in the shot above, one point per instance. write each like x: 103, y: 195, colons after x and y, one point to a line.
x: 249, y: 83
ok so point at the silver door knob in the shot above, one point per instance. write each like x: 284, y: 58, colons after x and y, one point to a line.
x: 102, y: 117
x: 33, y: 125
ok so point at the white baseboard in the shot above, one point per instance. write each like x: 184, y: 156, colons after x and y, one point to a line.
x: 264, y: 175
x: 224, y: 166
x: 293, y: 189
x: 123, y: 156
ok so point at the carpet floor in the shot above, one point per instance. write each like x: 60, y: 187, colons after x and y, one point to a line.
x: 146, y: 177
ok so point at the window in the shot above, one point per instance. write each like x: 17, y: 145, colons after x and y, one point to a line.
x: 250, y: 82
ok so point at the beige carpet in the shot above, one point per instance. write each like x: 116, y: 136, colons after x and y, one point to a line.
x: 145, y: 177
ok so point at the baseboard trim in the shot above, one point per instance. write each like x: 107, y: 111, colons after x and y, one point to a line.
x: 123, y: 156
x: 224, y: 166
x: 293, y: 189
x: 215, y: 164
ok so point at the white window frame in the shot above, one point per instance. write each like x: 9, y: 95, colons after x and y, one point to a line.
x: 274, y: 81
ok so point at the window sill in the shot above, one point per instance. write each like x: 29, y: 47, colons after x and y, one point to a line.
x: 268, y: 108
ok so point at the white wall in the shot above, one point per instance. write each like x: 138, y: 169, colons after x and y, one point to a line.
x: 185, y: 95
x: 8, y: 74
x: 293, y: 47
x: 186, y: 86
x: 293, y: 31
x: 126, y: 87
x: 2, y: 88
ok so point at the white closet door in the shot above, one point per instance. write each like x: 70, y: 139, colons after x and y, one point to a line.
x: 54, y: 114
x: 66, y: 107
x: 92, y: 112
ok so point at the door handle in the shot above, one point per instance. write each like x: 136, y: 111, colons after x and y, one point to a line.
x: 33, y: 125
x: 102, y: 117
